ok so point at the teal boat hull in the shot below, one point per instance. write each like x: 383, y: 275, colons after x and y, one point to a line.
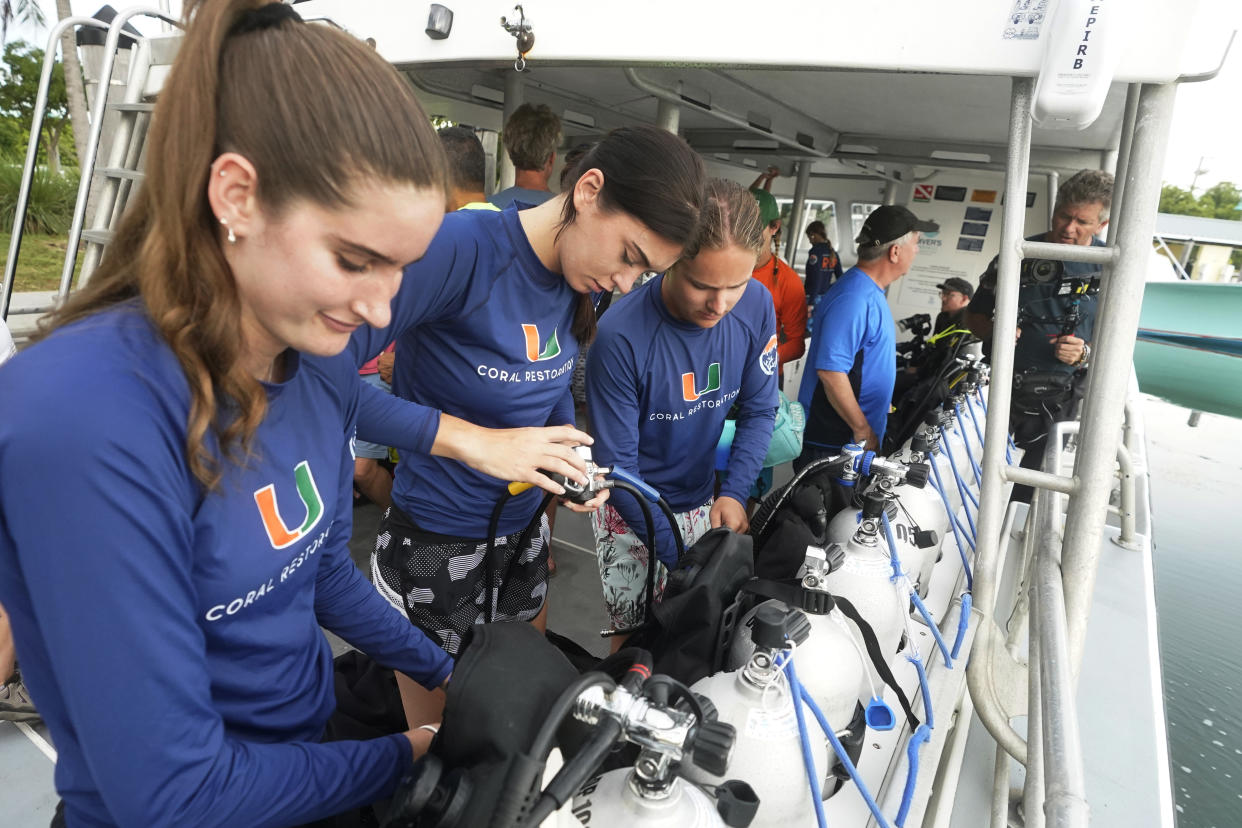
x: 1189, y: 347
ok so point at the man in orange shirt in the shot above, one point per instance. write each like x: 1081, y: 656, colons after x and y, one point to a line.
x: 788, y: 293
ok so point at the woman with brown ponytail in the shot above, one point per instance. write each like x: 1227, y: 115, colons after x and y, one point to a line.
x: 175, y: 472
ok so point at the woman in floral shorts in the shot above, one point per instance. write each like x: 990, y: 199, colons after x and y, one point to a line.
x: 671, y: 360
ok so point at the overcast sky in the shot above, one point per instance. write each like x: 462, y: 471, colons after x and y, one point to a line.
x: 1207, y: 122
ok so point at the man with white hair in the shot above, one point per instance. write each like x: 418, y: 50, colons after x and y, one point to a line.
x: 852, y: 365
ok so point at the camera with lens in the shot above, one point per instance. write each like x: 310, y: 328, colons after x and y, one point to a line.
x: 920, y: 324
x: 1042, y: 271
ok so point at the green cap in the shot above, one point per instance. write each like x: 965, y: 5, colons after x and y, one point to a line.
x: 769, y: 211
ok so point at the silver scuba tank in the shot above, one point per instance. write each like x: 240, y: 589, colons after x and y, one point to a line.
x: 650, y: 794
x: 829, y: 659
x: 616, y: 800
x: 768, y: 751
x: 921, y: 520
x: 915, y: 560
x: 865, y: 580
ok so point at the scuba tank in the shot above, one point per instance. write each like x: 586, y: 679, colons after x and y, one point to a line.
x: 921, y: 520
x: 827, y: 656
x: 650, y: 794
x: 865, y: 580
x: 918, y: 535
x: 768, y: 751
x: 831, y: 664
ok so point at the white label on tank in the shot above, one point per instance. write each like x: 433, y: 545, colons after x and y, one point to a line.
x: 769, y: 725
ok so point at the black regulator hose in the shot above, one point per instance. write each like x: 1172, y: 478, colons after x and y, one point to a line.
x: 575, y: 772
x: 651, y: 535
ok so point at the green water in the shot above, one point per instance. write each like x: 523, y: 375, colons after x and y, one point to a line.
x: 1196, y: 475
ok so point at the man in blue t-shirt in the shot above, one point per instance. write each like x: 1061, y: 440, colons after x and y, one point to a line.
x: 530, y: 136
x: 851, y: 365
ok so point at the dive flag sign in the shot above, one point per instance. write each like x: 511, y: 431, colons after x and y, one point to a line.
x: 923, y: 192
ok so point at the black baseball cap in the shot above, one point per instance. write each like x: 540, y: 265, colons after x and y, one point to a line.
x: 889, y: 223
x: 960, y: 285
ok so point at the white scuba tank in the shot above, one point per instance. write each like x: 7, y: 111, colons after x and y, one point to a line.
x: 864, y: 579
x: 613, y: 800
x: 768, y: 751
x: 915, y: 561
x: 828, y: 662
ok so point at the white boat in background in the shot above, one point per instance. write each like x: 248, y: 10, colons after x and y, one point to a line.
x: 1059, y: 718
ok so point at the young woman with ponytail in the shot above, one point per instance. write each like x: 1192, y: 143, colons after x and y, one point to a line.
x: 488, y: 326
x: 175, y: 471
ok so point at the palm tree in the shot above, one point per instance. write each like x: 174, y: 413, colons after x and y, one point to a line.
x: 74, y: 87
x: 27, y: 11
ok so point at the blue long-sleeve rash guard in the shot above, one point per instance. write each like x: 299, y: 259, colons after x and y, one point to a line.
x: 171, y: 638
x: 659, y: 389
x: 483, y: 332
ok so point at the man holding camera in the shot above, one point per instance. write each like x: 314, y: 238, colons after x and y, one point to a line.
x: 1056, y: 318
x: 851, y: 365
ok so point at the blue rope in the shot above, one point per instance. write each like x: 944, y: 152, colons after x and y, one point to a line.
x: 974, y: 418
x: 844, y: 759
x: 959, y: 531
x: 961, y: 487
x: 796, y: 693
x: 970, y: 455
x: 917, y: 661
x: 956, y: 526
x: 963, y: 621
x: 914, y: 594
x: 917, y: 740
x: 1009, y: 444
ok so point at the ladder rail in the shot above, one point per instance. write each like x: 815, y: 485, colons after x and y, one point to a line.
x: 32, y: 153
x: 115, y: 32
x: 123, y: 158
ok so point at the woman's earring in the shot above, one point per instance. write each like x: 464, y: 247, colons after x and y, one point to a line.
x: 232, y: 236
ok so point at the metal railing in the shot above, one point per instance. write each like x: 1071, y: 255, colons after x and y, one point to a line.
x: 1061, y: 578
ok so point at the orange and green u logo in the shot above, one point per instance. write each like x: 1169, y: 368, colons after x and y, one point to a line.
x: 688, y: 392
x: 534, y: 353
x: 278, y: 532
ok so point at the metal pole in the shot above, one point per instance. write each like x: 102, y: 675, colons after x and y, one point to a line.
x: 514, y: 94
x: 1033, y: 788
x: 1112, y: 355
x: 992, y: 498
x: 32, y: 152
x: 890, y: 192
x: 1124, y: 144
x: 87, y: 164
x: 1054, y: 187
x: 1065, y: 799
x: 668, y: 115
x: 797, y: 216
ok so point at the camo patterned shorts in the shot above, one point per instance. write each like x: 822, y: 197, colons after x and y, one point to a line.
x: 623, y: 561
x: 440, y: 582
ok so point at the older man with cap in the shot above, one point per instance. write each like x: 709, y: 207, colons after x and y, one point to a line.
x: 852, y: 364
x: 955, y: 295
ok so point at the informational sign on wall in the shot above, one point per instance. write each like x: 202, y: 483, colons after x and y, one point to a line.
x: 967, y: 207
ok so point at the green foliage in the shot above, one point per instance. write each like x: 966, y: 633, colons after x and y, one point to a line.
x: 1221, y: 201
x: 51, y: 200
x: 1218, y: 201
x: 20, y: 68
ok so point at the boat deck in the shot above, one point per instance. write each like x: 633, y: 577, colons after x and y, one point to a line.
x: 1120, y: 705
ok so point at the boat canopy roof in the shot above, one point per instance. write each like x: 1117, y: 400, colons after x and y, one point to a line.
x: 839, y: 84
